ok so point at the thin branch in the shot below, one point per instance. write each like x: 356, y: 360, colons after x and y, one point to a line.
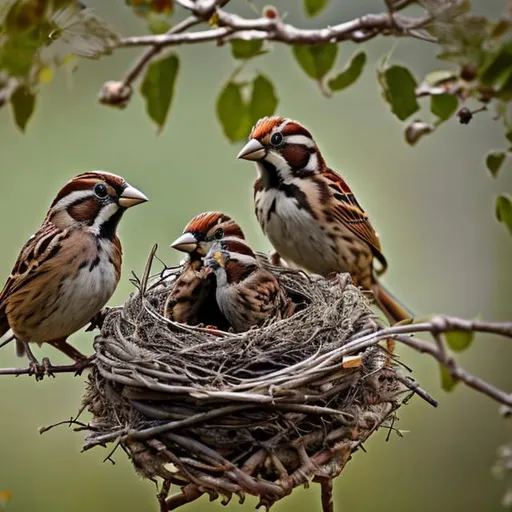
x: 183, y: 26
x: 411, y: 384
x: 72, y: 368
x: 457, y: 372
x: 275, y: 30
x: 231, y: 26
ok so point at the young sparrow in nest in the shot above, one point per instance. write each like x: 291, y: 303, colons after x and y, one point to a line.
x: 192, y: 300
x: 247, y: 294
x: 70, y: 268
x: 309, y: 213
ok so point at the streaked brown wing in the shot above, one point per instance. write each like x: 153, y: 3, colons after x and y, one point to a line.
x: 39, y: 248
x: 189, y: 293
x: 267, y: 291
x: 349, y: 212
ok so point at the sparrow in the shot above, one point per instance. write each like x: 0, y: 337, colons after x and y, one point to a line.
x: 309, y: 213
x: 69, y: 269
x: 192, y: 299
x: 247, y: 294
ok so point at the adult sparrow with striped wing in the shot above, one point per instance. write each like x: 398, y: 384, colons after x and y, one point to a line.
x: 70, y: 268
x: 308, y: 211
x: 247, y: 294
x: 192, y: 300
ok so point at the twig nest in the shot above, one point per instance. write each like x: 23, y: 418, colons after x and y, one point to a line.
x: 259, y: 412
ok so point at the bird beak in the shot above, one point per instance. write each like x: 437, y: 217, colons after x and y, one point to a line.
x: 218, y: 257
x: 131, y: 197
x: 253, y: 150
x: 185, y: 243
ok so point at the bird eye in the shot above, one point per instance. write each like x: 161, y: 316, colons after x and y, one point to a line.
x: 276, y: 139
x: 100, y: 190
x: 219, y: 234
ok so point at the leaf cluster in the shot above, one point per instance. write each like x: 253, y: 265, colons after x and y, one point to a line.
x: 39, y: 36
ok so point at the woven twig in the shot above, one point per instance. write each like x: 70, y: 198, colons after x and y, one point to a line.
x: 233, y: 414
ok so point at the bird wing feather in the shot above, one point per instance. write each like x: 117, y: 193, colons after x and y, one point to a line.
x: 348, y: 211
x: 38, y: 249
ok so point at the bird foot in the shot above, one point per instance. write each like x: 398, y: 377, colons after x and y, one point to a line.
x: 46, y: 368
x: 82, y: 364
x: 40, y: 370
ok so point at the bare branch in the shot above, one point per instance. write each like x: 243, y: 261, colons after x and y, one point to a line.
x: 72, y: 368
x: 367, y: 27
x: 231, y: 26
x: 441, y: 324
x: 457, y: 372
x: 147, y: 56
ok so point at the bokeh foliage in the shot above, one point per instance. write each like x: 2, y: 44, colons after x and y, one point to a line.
x: 39, y: 36
x: 160, y: 22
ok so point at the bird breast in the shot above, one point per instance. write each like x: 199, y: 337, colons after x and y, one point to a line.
x: 296, y: 234
x: 55, y: 303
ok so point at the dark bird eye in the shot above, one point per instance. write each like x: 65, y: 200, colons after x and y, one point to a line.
x: 100, y: 190
x: 276, y: 139
x: 219, y: 234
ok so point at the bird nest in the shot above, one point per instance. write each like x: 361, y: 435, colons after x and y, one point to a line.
x: 256, y: 413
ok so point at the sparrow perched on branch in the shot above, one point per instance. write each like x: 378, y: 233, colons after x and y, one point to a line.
x: 309, y: 213
x: 192, y: 300
x: 247, y: 294
x: 70, y: 268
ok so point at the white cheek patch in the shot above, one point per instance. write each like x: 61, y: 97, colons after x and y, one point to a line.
x: 280, y: 163
x: 312, y: 164
x: 103, y: 216
x: 299, y: 139
x: 72, y: 198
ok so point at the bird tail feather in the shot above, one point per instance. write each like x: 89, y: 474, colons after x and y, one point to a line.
x: 393, y: 308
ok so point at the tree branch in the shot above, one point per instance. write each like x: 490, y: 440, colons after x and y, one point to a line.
x: 402, y: 333
x: 442, y: 324
x: 275, y: 30
x: 457, y: 372
x: 231, y: 26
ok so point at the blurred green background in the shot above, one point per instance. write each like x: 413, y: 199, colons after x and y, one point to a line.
x: 432, y: 205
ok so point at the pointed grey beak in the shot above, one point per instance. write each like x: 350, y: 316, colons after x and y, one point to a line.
x: 131, y: 197
x: 185, y: 243
x: 253, y: 150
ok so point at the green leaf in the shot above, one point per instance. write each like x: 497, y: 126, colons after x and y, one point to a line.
x: 459, y: 341
x: 504, y: 211
x: 145, y: 8
x: 443, y: 105
x: 439, y: 77
x: 506, y: 87
x: 501, y: 27
x: 498, y: 67
x: 494, y: 160
x: 314, y: 7
x: 244, y: 50
x: 158, y: 88
x: 448, y: 383
x: 157, y: 24
x: 399, y: 90
x: 508, y: 136
x: 461, y: 37
x: 316, y: 60
x: 23, y: 103
x: 350, y: 73
x: 263, y: 100
x: 232, y: 112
